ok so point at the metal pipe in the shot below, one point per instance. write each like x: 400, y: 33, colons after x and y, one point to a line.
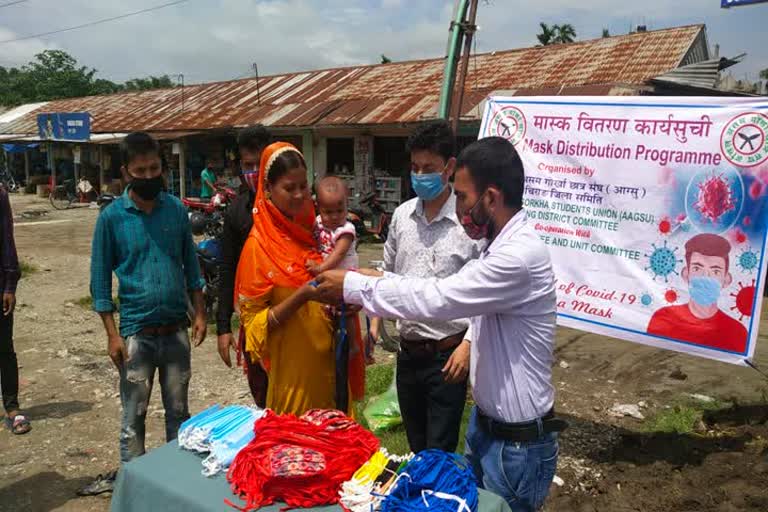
x: 468, y: 29
x: 449, y: 76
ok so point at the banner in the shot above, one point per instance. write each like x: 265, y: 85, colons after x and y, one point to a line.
x: 654, y: 212
x: 66, y: 126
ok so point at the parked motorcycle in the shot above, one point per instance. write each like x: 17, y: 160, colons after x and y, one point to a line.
x: 207, y: 217
x: 219, y: 202
x: 209, y: 257
x: 372, y: 213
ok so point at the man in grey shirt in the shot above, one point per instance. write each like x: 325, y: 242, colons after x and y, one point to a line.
x: 426, y: 240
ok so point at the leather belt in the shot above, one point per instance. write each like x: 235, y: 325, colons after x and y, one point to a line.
x: 162, y: 330
x: 421, y: 348
x: 522, y: 432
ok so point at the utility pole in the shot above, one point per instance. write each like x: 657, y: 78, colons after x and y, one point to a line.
x: 468, y: 28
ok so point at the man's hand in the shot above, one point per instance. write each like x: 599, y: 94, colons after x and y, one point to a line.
x: 370, y: 272
x: 199, y: 329
x: 9, y: 303
x: 117, y: 351
x: 457, y: 367
x: 225, y: 342
x: 330, y: 288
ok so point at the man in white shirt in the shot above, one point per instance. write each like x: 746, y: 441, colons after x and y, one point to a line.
x: 509, y: 293
x: 426, y: 240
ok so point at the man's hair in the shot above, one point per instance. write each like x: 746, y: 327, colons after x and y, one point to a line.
x: 253, y: 138
x: 708, y: 244
x: 493, y: 161
x: 436, y: 137
x: 135, y: 144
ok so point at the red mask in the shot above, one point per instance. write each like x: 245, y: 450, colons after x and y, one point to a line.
x: 476, y: 230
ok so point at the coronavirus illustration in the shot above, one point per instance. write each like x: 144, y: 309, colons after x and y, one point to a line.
x: 646, y: 299
x: 715, y: 197
x: 747, y: 221
x: 756, y: 189
x: 739, y: 236
x: 663, y: 261
x: 665, y: 226
x: 670, y: 296
x: 745, y: 299
x: 747, y: 260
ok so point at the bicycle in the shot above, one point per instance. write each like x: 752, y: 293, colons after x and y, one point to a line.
x: 8, y: 181
x: 63, y: 196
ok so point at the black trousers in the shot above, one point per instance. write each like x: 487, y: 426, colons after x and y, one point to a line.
x: 9, y: 366
x: 431, y: 408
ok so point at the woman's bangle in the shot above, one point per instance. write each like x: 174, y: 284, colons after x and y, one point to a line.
x: 272, y: 316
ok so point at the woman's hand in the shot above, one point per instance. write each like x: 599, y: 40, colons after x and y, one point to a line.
x: 370, y: 272
x: 313, y: 267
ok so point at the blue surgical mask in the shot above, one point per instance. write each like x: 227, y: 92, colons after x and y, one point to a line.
x: 427, y: 186
x: 704, y: 290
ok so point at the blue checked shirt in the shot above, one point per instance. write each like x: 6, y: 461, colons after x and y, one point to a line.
x: 154, y: 259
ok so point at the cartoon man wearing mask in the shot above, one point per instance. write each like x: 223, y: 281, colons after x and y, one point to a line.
x: 701, y: 321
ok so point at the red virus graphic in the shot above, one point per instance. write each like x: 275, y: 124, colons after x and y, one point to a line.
x: 681, y: 218
x: 715, y: 198
x: 745, y: 299
x: 756, y: 189
x: 739, y: 236
x: 665, y: 226
x: 747, y: 220
x: 670, y: 296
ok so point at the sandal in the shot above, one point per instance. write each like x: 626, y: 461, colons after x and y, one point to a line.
x: 18, y: 425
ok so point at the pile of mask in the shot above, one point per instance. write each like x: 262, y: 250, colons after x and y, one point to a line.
x: 221, y: 432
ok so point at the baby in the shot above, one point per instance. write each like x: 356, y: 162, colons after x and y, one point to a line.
x: 334, y: 233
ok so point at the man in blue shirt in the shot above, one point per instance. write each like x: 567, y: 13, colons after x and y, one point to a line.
x: 144, y: 237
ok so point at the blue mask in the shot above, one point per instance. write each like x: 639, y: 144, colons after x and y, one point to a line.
x: 704, y: 290
x: 427, y: 186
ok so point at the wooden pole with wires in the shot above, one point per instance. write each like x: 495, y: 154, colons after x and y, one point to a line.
x: 468, y: 29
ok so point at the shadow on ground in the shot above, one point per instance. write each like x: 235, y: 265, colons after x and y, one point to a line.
x: 42, y: 492
x: 57, y: 410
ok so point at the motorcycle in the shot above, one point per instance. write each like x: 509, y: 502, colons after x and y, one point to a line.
x: 209, y: 257
x: 370, y: 212
x: 219, y: 202
x: 207, y: 218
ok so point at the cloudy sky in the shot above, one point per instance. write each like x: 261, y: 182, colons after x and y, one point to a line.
x: 219, y: 39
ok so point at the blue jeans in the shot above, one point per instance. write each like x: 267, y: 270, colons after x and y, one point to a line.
x: 521, y: 473
x: 170, y: 355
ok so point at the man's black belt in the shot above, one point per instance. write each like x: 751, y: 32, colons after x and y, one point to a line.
x: 522, y: 432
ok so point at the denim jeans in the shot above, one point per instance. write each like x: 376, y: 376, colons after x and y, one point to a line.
x: 521, y: 473
x: 170, y: 356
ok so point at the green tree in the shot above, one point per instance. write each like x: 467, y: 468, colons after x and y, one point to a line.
x: 547, y: 35
x: 148, y: 83
x: 564, y: 33
x: 606, y: 33
x: 385, y: 59
x: 764, y: 74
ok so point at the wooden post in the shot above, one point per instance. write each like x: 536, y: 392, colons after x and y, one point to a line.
x: 26, y: 167
x: 182, y: 170
x: 102, y: 174
x: 52, y: 166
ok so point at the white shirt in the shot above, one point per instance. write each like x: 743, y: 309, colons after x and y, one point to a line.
x: 510, y: 294
x: 416, y: 247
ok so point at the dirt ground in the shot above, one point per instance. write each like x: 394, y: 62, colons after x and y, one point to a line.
x: 69, y: 390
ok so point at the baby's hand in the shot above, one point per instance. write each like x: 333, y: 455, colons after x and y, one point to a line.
x: 312, y: 267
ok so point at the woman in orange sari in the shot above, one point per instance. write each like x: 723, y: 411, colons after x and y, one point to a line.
x: 288, y: 334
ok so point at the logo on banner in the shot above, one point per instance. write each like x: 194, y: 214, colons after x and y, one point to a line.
x: 509, y: 122
x: 744, y: 141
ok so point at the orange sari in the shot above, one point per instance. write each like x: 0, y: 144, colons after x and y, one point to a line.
x: 298, y: 354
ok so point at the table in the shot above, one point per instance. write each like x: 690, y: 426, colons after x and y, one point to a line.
x: 169, y: 480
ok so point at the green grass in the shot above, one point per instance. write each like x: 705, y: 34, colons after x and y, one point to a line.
x: 86, y: 302
x: 378, y: 379
x: 27, y: 268
x: 682, y: 418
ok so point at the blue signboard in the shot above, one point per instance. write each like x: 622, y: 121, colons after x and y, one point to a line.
x: 64, y: 126
x: 725, y: 4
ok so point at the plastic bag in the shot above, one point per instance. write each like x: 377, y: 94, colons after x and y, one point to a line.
x: 383, y: 411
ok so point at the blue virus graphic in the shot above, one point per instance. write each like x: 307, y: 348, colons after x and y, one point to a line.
x: 663, y: 261
x: 646, y: 299
x: 747, y: 260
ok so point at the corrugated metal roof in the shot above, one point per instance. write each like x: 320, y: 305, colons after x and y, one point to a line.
x: 404, y: 92
x: 700, y: 74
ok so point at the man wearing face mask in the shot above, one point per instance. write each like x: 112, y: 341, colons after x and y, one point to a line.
x: 509, y: 293
x: 144, y: 237
x: 701, y: 321
x: 426, y: 240
x: 238, y: 220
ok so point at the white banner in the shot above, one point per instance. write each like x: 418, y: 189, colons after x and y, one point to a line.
x: 654, y: 211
